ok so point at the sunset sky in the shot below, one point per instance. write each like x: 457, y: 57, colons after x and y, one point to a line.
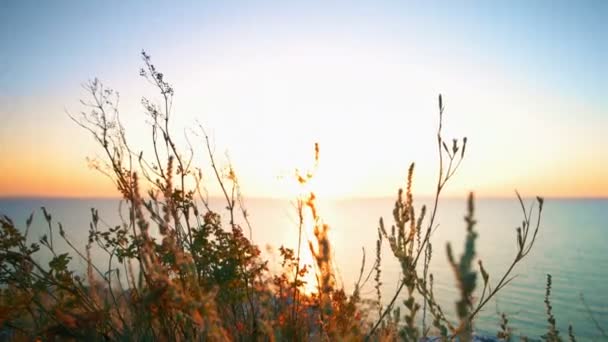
x: 525, y: 81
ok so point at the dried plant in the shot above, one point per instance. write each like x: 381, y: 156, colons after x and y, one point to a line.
x: 176, y: 271
x: 409, y: 243
x: 505, y: 333
x: 552, y: 333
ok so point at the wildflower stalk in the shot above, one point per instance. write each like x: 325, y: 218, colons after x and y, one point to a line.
x: 552, y: 333
x: 466, y: 276
x: 505, y: 332
x: 443, y: 177
x: 523, y: 249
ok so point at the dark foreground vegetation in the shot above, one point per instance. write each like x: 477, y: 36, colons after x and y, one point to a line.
x: 176, y: 271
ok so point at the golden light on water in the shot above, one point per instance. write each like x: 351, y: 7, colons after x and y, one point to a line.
x: 306, y: 256
x: 308, y: 220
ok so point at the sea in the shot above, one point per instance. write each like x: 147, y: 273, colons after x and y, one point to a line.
x: 571, y: 246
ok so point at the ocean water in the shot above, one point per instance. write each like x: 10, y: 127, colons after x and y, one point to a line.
x: 572, y: 246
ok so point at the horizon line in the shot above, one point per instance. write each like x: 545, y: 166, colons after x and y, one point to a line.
x: 331, y: 198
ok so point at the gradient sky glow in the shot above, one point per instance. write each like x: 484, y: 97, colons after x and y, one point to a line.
x: 525, y: 81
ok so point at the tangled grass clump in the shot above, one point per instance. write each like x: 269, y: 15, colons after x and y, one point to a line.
x: 176, y: 271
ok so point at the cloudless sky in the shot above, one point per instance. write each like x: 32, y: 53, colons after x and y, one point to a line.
x: 525, y: 81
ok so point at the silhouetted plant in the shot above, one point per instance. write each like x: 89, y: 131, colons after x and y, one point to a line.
x: 571, y: 333
x: 505, y: 331
x: 176, y: 271
x: 408, y: 249
x: 552, y: 333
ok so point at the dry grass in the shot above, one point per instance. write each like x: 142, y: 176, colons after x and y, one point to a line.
x: 186, y: 275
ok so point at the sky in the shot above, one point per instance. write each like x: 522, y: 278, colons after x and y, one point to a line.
x: 525, y: 82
